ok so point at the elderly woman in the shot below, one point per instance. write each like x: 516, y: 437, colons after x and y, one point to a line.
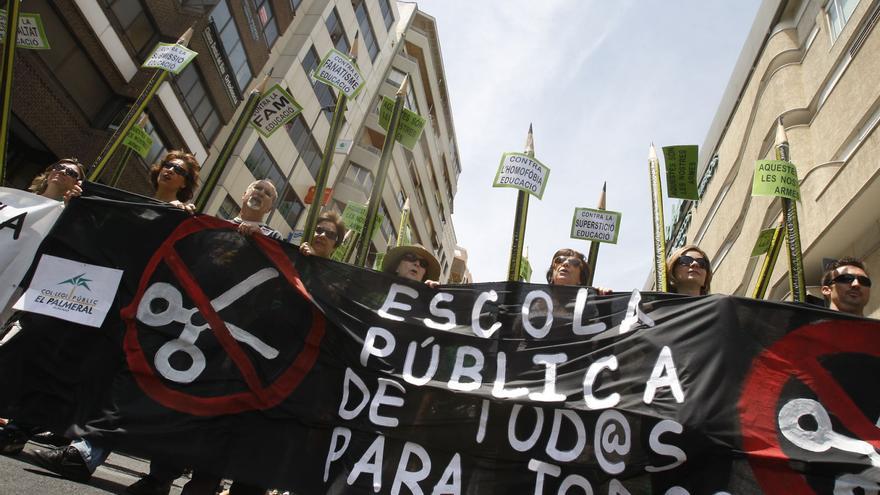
x: 329, y: 233
x: 413, y: 262
x: 60, y: 180
x: 688, y: 271
x: 175, y: 179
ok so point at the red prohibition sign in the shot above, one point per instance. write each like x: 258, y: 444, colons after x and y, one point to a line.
x: 257, y: 396
x: 797, y: 355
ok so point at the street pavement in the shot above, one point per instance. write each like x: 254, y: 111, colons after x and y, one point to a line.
x: 22, y: 475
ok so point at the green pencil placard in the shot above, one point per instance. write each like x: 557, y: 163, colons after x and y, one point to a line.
x: 681, y: 171
x: 409, y: 127
x: 776, y: 178
x: 520, y: 171
x: 139, y: 141
x: 762, y: 245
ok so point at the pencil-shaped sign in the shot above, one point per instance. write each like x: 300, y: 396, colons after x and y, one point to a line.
x: 772, y: 250
x: 403, y: 236
x: 657, y: 216
x: 13, y: 9
x: 411, y: 124
x: 521, y: 171
x: 275, y: 108
x: 171, y: 57
x: 31, y: 34
x: 593, y: 255
x: 340, y: 71
x: 681, y: 171
x: 138, y: 141
x: 595, y: 225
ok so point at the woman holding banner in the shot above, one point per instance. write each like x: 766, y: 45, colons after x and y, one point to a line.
x: 413, y: 262
x: 175, y: 179
x: 59, y: 180
x: 688, y: 271
x: 570, y: 267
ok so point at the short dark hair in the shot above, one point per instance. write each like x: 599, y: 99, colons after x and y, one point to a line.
x: 41, y: 182
x: 570, y: 253
x: 832, y: 267
x: 334, y: 218
x: 192, y: 180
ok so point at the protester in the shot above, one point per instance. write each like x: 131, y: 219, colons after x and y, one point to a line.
x: 329, y: 232
x: 413, y: 262
x: 60, y: 180
x: 688, y: 271
x: 846, y: 286
x: 175, y: 179
x: 570, y: 267
x: 258, y: 199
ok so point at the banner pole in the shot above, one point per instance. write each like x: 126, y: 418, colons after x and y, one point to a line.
x: 404, y: 222
x: 797, y: 282
x: 139, y: 105
x: 13, y: 8
x: 593, y: 256
x: 769, y: 263
x: 229, y: 146
x: 126, y: 155
x: 520, y: 217
x: 379, y: 184
x: 657, y: 214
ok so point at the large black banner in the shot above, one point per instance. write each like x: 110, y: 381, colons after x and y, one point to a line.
x: 238, y: 356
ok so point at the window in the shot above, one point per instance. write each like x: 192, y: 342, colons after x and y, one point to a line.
x: 387, y: 13
x: 267, y: 20
x: 228, y: 209
x: 337, y: 32
x: 401, y: 199
x: 359, y: 177
x: 294, y: 5
x: 158, y: 149
x: 410, y: 102
x: 198, y: 102
x: 231, y: 42
x: 387, y: 227
x: 395, y: 77
x: 322, y: 91
x: 839, y: 12
x: 137, y: 26
x: 367, y: 33
x: 263, y: 166
x: 305, y: 143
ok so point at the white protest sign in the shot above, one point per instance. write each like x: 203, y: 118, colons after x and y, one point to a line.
x: 520, y: 171
x: 31, y: 34
x: 339, y: 71
x: 595, y: 225
x: 170, y: 57
x: 274, y: 109
x: 70, y: 290
x: 25, y: 219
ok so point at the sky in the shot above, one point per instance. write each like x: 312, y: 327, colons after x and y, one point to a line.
x: 599, y: 80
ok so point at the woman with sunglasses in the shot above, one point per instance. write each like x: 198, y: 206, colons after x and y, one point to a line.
x: 60, y: 181
x: 688, y: 271
x: 329, y: 232
x: 175, y: 179
x: 413, y: 262
x: 569, y: 267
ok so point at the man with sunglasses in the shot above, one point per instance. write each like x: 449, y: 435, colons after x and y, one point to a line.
x: 846, y: 286
x: 329, y: 232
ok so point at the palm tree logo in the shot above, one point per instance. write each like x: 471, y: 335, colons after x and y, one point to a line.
x: 77, y: 281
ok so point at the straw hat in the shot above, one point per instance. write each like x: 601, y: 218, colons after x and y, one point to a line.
x: 393, y: 257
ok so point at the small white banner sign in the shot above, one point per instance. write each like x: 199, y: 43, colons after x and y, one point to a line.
x: 25, y: 219
x: 31, y: 34
x: 70, y: 290
x: 170, y: 57
x: 595, y: 225
x: 274, y: 109
x: 339, y: 71
x: 520, y: 171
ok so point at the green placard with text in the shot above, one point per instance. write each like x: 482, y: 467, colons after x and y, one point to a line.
x: 681, y: 171
x: 410, y: 127
x: 776, y: 178
x: 762, y: 245
x: 139, y: 141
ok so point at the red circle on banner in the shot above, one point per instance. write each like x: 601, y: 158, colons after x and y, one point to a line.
x: 257, y: 396
x: 797, y: 355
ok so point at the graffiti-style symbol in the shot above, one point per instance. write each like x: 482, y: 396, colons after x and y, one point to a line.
x: 175, y: 312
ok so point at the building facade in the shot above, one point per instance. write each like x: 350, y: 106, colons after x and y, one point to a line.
x: 814, y: 64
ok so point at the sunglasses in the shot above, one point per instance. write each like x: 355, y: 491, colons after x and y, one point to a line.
x: 687, y: 260
x: 415, y: 259
x: 572, y: 260
x: 177, y: 169
x: 329, y: 234
x: 70, y: 172
x: 848, y: 278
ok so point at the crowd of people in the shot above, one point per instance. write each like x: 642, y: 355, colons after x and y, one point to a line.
x: 845, y: 286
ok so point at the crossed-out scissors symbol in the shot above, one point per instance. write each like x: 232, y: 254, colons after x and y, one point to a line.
x: 175, y: 312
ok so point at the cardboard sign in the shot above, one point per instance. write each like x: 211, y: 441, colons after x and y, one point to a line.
x: 31, y: 34
x: 355, y: 214
x: 525, y: 270
x: 337, y: 70
x: 595, y: 225
x: 681, y: 171
x: 762, y: 245
x: 139, y: 141
x: 310, y: 195
x: 520, y: 171
x: 71, y: 291
x: 276, y: 108
x: 409, y: 127
x: 169, y: 57
x: 776, y: 178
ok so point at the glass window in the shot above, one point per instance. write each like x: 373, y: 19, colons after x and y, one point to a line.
x: 232, y: 45
x: 411, y: 102
x: 305, y: 143
x: 359, y: 177
x: 325, y: 95
x: 294, y: 4
x: 839, y: 12
x: 367, y: 33
x: 395, y: 77
x: 263, y: 166
x: 337, y: 32
x: 387, y: 13
x: 267, y: 20
x: 158, y: 149
x: 387, y: 227
x: 401, y: 199
x: 198, y: 102
x: 137, y: 26
x: 228, y: 209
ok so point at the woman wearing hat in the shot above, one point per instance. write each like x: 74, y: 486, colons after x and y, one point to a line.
x: 413, y: 262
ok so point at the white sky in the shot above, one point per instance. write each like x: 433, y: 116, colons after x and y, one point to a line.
x: 600, y: 80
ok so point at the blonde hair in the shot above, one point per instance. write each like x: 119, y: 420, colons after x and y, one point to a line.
x: 672, y: 260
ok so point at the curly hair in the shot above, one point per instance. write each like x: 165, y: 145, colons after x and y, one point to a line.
x: 41, y: 182
x: 569, y: 253
x: 672, y: 260
x: 192, y: 180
